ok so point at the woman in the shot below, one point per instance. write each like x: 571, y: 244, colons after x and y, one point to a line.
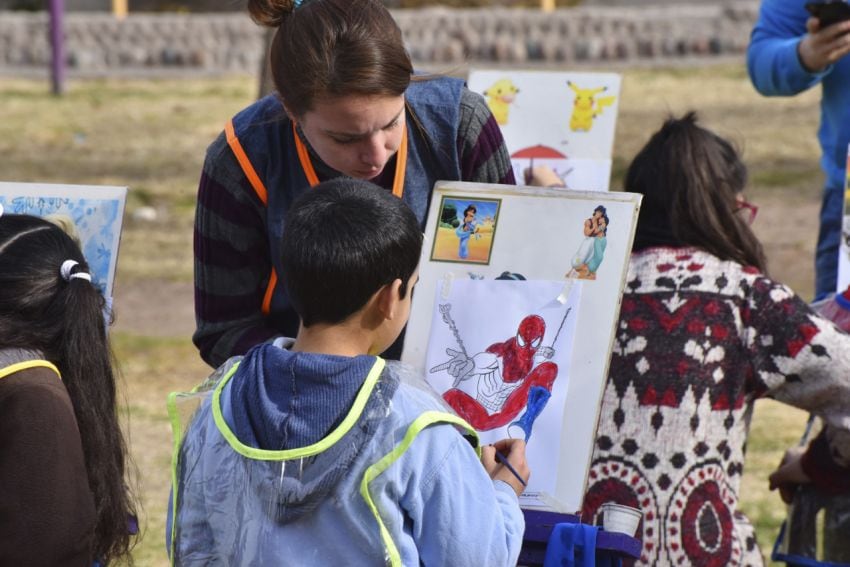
x: 347, y: 103
x: 702, y: 335
x: 63, y: 500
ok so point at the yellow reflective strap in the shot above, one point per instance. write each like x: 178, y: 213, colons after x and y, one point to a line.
x: 177, y: 438
x: 18, y: 366
x: 420, y: 423
x: 301, y: 452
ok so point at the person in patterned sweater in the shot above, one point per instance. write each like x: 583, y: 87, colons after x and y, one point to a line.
x: 703, y: 333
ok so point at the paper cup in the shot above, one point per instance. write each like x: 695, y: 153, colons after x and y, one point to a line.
x: 619, y: 518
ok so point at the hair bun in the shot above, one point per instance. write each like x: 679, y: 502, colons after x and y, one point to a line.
x: 271, y: 13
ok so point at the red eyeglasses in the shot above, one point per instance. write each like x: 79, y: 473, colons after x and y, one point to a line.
x: 751, y: 210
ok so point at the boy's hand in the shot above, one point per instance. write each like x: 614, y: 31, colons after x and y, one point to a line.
x: 789, y: 474
x: 514, y: 452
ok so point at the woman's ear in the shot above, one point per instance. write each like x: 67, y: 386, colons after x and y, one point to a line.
x: 289, y: 114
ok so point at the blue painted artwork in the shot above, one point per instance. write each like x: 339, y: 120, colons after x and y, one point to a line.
x: 96, y: 212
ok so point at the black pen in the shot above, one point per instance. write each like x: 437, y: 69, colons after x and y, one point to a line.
x: 504, y: 460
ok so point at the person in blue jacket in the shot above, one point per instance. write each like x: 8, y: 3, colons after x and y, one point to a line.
x: 318, y: 452
x: 790, y: 52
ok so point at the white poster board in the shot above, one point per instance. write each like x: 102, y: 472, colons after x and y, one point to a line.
x: 501, y: 351
x: 97, y: 214
x: 844, y: 248
x: 561, y: 119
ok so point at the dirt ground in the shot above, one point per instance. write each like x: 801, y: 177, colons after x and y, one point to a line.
x: 172, y: 314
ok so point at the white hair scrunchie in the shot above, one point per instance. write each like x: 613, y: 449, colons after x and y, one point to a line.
x: 65, y: 271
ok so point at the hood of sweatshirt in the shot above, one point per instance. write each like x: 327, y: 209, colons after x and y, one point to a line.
x: 278, y: 400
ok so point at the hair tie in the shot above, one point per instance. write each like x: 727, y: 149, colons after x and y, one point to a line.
x: 65, y: 271
x: 296, y: 4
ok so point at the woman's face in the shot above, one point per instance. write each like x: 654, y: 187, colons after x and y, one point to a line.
x: 355, y: 135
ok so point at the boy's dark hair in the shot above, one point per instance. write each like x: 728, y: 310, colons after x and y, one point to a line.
x: 342, y: 242
x: 469, y: 208
x: 600, y: 209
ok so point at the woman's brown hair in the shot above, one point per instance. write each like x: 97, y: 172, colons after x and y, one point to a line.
x: 692, y: 176
x: 333, y: 48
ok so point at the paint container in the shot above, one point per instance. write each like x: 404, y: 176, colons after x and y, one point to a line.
x: 619, y: 518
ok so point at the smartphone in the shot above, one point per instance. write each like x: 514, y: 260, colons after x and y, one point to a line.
x: 829, y: 12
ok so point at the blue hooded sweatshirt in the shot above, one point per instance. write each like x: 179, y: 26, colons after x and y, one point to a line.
x: 306, y: 459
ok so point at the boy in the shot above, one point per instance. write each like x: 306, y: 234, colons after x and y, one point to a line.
x: 320, y: 453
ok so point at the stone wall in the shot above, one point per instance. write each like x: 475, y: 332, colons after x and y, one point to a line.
x: 146, y: 43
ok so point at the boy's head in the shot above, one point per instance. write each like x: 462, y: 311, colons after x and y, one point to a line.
x: 342, y: 242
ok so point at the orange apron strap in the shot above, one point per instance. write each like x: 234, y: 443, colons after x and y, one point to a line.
x: 261, y: 192
x: 245, y: 163
x: 267, y: 298
x: 400, y: 164
x: 313, y: 179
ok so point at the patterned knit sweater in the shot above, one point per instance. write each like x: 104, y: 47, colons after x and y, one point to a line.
x: 699, y: 340
x: 232, y: 262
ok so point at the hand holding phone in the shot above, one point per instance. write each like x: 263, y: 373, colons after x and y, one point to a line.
x: 830, y: 12
x: 828, y: 37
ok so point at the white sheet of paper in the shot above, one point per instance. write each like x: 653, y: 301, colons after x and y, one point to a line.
x: 844, y: 248
x: 499, y: 353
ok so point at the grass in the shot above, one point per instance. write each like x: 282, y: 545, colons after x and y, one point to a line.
x: 151, y: 135
x: 151, y: 368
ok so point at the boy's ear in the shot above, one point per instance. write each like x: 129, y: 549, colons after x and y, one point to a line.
x: 389, y: 298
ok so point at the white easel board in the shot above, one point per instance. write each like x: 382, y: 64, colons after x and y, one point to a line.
x: 490, y: 347
x: 97, y: 213
x: 844, y: 247
x: 561, y: 119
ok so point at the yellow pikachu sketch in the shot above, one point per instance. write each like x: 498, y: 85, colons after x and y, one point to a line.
x: 586, y: 106
x: 499, y: 97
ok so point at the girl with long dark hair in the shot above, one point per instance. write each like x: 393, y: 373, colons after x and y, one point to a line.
x: 703, y: 334
x: 64, y: 500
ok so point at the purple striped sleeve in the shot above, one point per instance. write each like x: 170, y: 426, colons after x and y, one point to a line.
x: 481, y: 147
x: 232, y: 264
